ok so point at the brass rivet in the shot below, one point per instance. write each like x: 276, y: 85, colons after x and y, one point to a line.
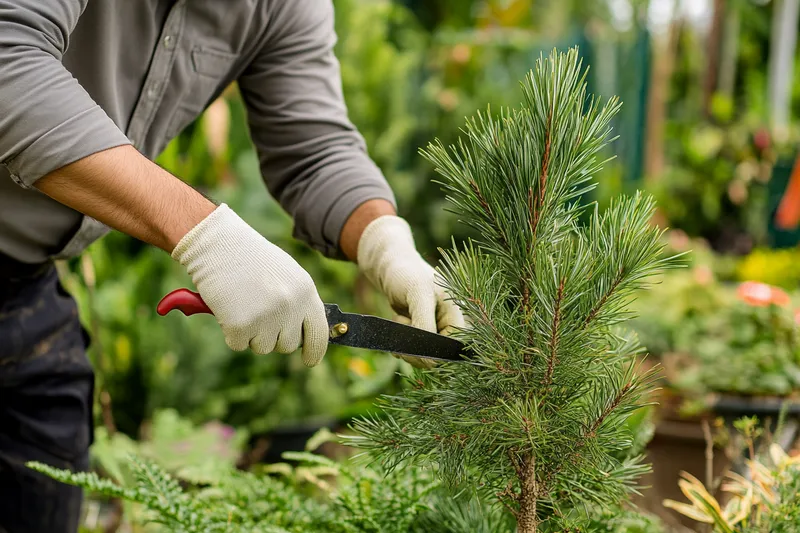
x: 339, y: 329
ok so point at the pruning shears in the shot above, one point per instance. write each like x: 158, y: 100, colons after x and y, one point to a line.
x: 351, y: 329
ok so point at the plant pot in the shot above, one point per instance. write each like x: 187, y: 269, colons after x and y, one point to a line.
x: 733, y: 406
x: 679, y: 444
x: 767, y: 409
x: 269, y: 447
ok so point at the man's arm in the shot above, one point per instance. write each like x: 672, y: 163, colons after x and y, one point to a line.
x: 314, y: 161
x: 126, y: 191
x: 260, y: 296
x: 358, y: 222
x: 54, y: 137
x: 47, y: 120
x: 316, y: 164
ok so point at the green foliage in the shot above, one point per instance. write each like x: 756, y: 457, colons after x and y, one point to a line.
x: 536, y: 419
x: 195, y: 454
x: 744, y: 349
x: 314, y: 495
x: 381, y: 52
x: 715, y: 185
x: 294, y: 500
x: 709, y: 340
x: 784, y: 515
x: 625, y: 521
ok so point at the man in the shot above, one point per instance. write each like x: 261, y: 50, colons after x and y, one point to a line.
x: 90, y: 92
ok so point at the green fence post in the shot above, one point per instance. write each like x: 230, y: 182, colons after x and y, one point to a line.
x: 781, y: 172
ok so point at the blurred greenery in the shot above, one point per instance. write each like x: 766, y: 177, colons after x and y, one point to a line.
x: 712, y: 337
x: 411, y: 71
x: 404, y: 85
x: 715, y: 186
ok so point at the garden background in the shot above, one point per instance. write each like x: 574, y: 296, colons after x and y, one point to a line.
x: 708, y: 124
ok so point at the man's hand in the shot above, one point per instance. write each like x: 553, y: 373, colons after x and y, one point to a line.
x: 389, y: 259
x: 260, y: 296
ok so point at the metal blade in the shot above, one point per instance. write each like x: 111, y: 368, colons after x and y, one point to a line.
x: 374, y: 333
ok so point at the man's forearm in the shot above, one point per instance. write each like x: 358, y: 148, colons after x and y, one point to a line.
x: 358, y: 221
x: 126, y: 191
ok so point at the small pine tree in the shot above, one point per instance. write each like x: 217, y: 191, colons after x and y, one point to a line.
x: 538, y: 419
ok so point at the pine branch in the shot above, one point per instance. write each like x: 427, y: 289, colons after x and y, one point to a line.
x: 552, y: 359
x: 488, y: 210
x: 608, y: 294
x: 486, y: 319
x: 607, y: 411
x: 543, y: 174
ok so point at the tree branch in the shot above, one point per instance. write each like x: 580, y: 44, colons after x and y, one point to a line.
x: 486, y: 319
x: 488, y: 209
x: 536, y: 215
x: 608, y: 410
x: 592, y: 431
x: 508, y: 492
x: 553, y: 356
x: 596, y: 309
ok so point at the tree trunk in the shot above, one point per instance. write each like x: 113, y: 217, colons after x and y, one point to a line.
x: 527, y: 519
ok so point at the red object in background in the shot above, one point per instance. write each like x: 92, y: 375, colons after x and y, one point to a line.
x: 761, y: 139
x: 787, y: 216
x: 761, y: 294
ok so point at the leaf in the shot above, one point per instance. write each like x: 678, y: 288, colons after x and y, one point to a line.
x: 696, y: 492
x: 778, y: 456
x: 688, y: 510
x: 716, y: 514
x: 739, y: 508
x: 319, y: 438
x: 309, y: 458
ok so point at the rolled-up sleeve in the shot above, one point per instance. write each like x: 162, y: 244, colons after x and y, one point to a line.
x: 47, y: 120
x: 313, y: 160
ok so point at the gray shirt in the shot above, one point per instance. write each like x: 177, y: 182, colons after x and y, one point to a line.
x: 80, y: 76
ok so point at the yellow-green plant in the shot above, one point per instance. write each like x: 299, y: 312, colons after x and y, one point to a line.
x: 775, y: 267
x: 766, y: 501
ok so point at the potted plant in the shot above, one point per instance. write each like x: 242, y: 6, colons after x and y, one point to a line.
x: 764, y: 500
x: 728, y: 350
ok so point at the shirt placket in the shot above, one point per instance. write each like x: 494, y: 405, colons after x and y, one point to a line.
x: 157, y: 76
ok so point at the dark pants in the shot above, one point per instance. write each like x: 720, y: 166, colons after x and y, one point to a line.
x: 46, y: 389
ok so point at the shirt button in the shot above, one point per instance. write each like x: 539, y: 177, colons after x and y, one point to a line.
x: 152, y: 92
x: 168, y: 41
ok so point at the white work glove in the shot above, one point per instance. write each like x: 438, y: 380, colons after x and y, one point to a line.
x: 260, y: 296
x: 389, y: 259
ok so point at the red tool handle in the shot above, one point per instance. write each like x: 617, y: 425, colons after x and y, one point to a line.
x: 187, y: 302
